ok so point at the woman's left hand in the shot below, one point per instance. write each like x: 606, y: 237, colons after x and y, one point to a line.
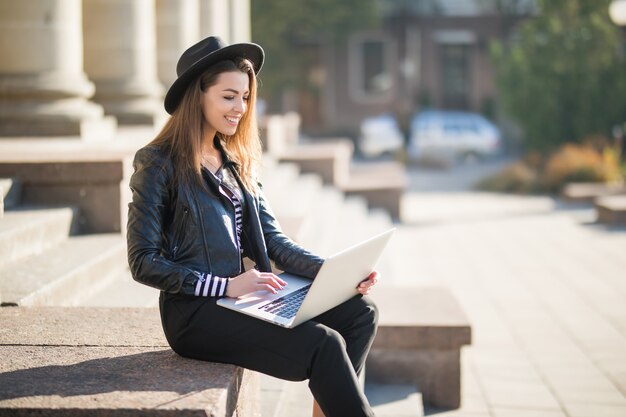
x: 366, y: 285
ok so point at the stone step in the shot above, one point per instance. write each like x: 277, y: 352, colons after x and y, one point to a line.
x: 351, y: 221
x: 324, y: 221
x: 120, y: 290
x: 62, y: 274
x: 294, y: 204
x: 275, y: 177
x: 293, y: 399
x: 28, y: 231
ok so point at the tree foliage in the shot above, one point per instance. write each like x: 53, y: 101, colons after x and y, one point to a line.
x: 564, y: 77
x: 285, y: 28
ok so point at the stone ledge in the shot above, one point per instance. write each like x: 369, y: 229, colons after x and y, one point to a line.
x: 76, y: 326
x: 110, y: 362
x: 328, y: 158
x: 114, y: 381
x: 611, y: 210
x: 588, y: 192
x: 419, y: 340
x: 420, y: 317
x: 382, y: 184
x: 97, y: 187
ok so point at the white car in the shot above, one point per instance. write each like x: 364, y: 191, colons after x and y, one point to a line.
x: 380, y: 135
x: 452, y: 136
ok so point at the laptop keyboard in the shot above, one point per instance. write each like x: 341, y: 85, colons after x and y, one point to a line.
x: 288, y: 305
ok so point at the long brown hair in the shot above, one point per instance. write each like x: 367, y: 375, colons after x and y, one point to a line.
x: 182, y: 133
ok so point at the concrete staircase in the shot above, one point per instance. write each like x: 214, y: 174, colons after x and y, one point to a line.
x: 43, y: 258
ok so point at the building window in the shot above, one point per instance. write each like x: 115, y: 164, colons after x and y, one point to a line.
x: 370, y: 67
x: 455, y: 60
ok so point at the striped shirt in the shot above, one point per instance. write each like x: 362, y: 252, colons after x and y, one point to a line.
x: 207, y: 285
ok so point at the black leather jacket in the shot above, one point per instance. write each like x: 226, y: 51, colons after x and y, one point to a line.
x: 177, y: 231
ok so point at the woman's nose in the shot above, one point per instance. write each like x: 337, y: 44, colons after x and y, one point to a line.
x: 240, y: 105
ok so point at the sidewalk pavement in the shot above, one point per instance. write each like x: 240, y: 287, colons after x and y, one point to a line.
x: 545, y: 290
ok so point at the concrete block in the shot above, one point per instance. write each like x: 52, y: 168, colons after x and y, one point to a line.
x: 110, y: 362
x: 328, y: 158
x: 101, y: 206
x: 381, y: 184
x: 420, y: 336
x: 611, y: 210
x: 98, y: 188
x: 588, y: 192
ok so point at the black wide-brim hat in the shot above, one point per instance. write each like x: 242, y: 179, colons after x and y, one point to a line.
x: 195, y: 60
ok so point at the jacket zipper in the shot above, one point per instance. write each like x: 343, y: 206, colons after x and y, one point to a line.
x: 206, y: 246
x: 179, y: 231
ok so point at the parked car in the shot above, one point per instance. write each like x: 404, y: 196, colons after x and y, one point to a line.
x: 380, y: 135
x: 452, y: 136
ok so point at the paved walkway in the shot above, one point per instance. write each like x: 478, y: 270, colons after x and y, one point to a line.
x: 545, y: 290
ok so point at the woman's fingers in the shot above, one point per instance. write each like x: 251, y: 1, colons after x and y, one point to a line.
x: 270, y: 282
x: 366, y: 285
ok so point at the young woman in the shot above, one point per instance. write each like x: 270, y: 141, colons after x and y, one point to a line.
x: 197, y: 211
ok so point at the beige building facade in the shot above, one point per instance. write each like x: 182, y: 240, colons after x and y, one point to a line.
x: 80, y: 68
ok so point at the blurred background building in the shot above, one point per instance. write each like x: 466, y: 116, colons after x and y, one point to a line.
x: 428, y: 53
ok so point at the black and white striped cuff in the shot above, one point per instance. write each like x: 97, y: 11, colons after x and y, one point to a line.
x: 211, y: 286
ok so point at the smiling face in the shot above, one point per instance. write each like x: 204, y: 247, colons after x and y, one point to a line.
x: 224, y: 103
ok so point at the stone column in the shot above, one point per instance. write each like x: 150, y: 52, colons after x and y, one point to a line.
x: 215, y: 19
x: 43, y: 89
x: 120, y: 58
x: 240, y: 21
x: 178, y: 27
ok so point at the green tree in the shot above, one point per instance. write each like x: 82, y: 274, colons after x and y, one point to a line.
x: 563, y: 77
x: 291, y: 32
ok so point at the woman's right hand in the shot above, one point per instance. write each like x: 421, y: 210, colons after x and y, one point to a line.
x: 253, y: 280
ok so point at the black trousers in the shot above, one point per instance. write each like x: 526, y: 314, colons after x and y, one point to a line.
x: 329, y: 351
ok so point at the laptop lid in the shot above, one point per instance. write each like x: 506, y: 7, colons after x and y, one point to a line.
x: 340, y: 275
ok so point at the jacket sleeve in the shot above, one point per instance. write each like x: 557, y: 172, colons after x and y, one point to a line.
x: 286, y: 254
x: 146, y: 215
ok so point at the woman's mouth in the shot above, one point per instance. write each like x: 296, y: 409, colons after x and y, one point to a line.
x: 232, y: 120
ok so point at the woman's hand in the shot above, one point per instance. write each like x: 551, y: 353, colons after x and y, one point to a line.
x: 366, y: 285
x: 253, y: 280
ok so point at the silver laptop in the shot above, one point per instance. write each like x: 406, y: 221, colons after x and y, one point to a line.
x: 302, y: 298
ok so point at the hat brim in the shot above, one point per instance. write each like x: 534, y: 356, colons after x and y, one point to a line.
x: 250, y: 51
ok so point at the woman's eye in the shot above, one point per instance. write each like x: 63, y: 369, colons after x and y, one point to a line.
x: 246, y: 98
x: 229, y: 97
